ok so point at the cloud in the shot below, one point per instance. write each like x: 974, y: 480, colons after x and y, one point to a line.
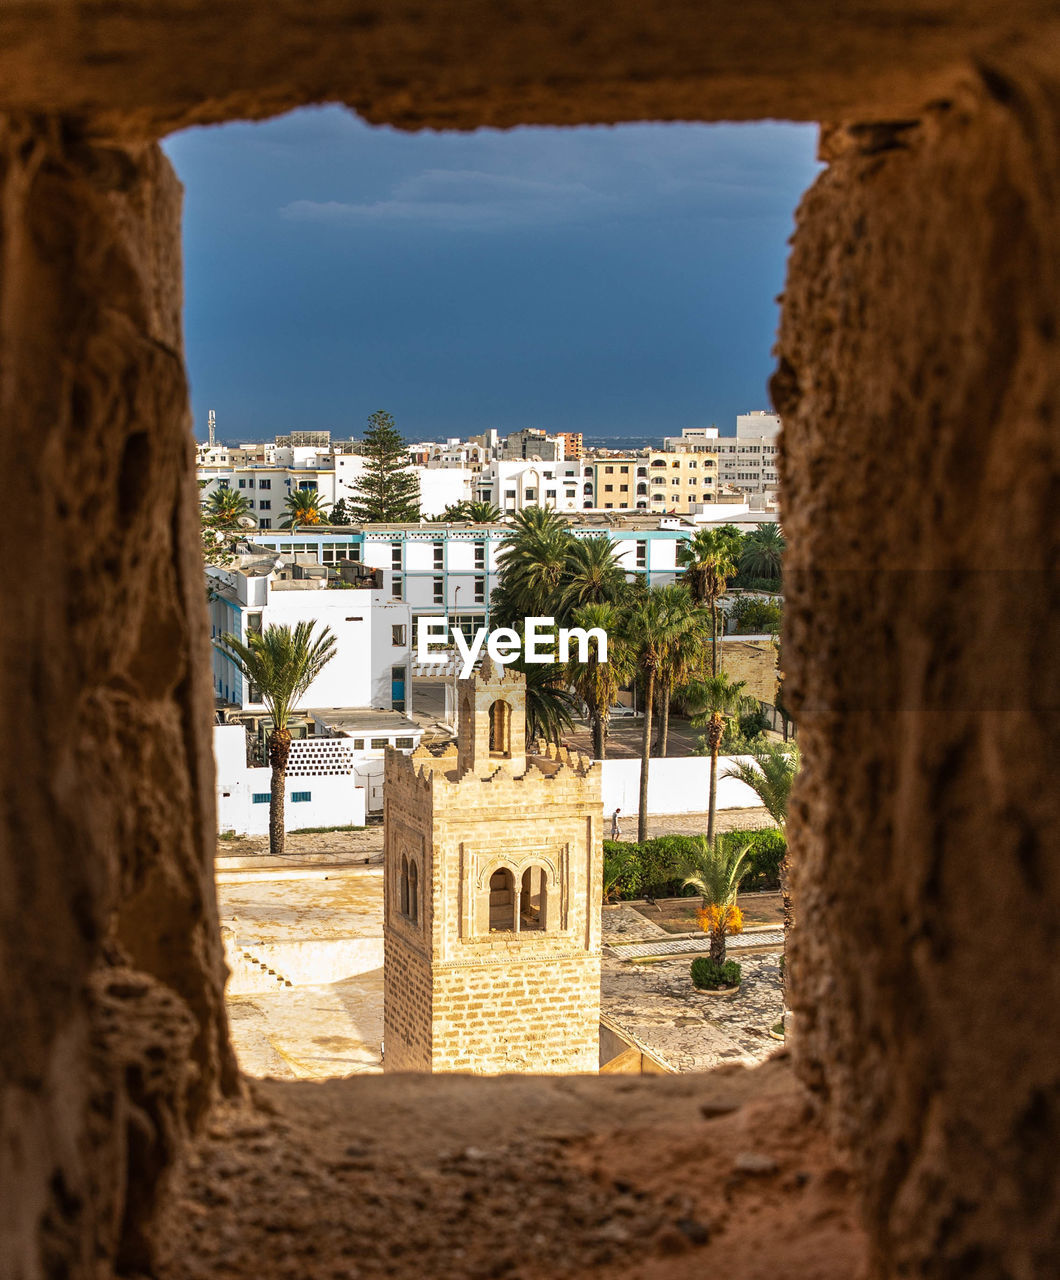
x: 466, y: 198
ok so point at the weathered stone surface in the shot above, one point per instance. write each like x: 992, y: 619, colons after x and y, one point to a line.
x: 920, y: 384
x: 141, y: 68
x: 104, y: 687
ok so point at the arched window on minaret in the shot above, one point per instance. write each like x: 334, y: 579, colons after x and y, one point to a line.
x: 501, y: 729
x: 502, y: 901
x: 403, y: 887
x: 414, y: 892
x: 532, y: 900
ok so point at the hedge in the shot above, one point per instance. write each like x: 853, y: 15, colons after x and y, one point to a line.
x: 709, y: 976
x: 653, y: 869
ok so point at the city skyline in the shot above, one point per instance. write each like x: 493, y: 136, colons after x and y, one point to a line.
x: 618, y: 281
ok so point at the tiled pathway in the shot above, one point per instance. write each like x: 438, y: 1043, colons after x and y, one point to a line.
x: 691, y: 946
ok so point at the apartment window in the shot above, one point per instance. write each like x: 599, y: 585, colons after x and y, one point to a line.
x: 550, y: 493
x: 480, y: 555
x: 301, y: 797
x: 264, y: 484
x: 480, y: 590
x: 623, y: 488
x: 531, y: 494
x: 222, y: 484
x: 403, y: 744
x: 609, y: 488
x: 675, y: 480
x: 262, y: 797
x: 397, y: 633
x: 624, y: 470
x: 265, y: 522
x: 379, y: 743
x: 439, y: 591
x: 642, y: 554
x: 439, y: 554
x: 242, y: 484
x: 265, y: 504
x: 691, y: 480
x: 307, y: 486
x: 693, y: 464
x: 395, y: 555
x: 609, y: 471
x: 358, y: 744
x: 396, y: 590
x: 642, y: 471
x: 658, y: 462
x: 509, y: 493
x: 608, y: 506
x: 570, y: 494
x: 254, y: 622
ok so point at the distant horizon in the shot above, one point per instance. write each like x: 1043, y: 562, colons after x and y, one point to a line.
x: 588, y: 437
x: 620, y: 281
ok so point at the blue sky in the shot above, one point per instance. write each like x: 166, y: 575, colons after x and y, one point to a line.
x: 620, y: 281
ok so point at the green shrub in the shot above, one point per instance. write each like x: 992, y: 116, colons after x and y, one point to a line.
x: 708, y: 976
x: 622, y: 870
x: 655, y: 869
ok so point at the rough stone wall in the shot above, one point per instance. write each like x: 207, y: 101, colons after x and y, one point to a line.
x: 919, y: 383
x: 754, y: 662
x: 115, y: 1033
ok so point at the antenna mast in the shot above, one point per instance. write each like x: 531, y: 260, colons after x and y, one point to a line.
x: 211, y: 426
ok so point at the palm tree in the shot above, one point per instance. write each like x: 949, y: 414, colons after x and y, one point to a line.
x: 683, y: 654
x: 591, y: 575
x: 713, y: 701
x: 304, y: 506
x: 715, y: 870
x: 481, y: 512
x: 532, y: 559
x: 649, y: 630
x: 597, y: 683
x: 550, y: 705
x: 283, y: 663
x: 710, y: 561
x: 762, y: 552
x: 770, y: 777
x: 227, y: 507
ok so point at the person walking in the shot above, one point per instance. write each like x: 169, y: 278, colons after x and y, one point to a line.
x: 614, y: 824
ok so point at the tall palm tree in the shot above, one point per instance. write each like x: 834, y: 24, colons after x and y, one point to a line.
x: 683, y: 654
x: 713, y: 701
x: 770, y: 777
x: 709, y: 557
x: 304, y: 506
x: 591, y: 575
x: 762, y: 553
x: 715, y: 870
x: 482, y: 512
x: 283, y: 663
x: 550, y: 705
x: 532, y: 559
x: 597, y: 683
x: 649, y: 630
x: 227, y: 507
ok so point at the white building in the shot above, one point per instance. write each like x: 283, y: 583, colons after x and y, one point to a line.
x: 513, y: 485
x: 372, y: 630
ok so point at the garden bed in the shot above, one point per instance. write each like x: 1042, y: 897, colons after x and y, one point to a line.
x: 678, y: 915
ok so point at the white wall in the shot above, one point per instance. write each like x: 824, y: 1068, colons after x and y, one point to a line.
x: 336, y: 801
x: 675, y: 785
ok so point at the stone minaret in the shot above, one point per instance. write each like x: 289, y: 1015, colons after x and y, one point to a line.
x: 492, y: 897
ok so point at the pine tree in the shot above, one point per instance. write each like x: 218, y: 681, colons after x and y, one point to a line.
x: 387, y: 490
x: 339, y: 514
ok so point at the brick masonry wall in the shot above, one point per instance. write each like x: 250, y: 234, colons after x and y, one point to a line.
x: 407, y: 1007
x: 533, y: 1016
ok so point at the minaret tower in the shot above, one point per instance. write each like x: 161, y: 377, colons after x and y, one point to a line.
x: 492, y: 892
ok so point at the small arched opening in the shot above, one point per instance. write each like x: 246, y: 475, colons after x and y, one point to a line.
x: 413, y: 911
x: 532, y: 900
x: 501, y: 729
x: 502, y: 901
x: 403, y: 887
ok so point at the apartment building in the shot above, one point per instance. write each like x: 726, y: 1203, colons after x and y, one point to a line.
x: 748, y: 462
x: 532, y: 444
x: 514, y: 485
x: 681, y: 480
x: 619, y: 483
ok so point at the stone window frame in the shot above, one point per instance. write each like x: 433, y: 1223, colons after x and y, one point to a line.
x: 554, y: 861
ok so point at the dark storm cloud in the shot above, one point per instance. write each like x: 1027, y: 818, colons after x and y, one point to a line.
x: 610, y: 279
